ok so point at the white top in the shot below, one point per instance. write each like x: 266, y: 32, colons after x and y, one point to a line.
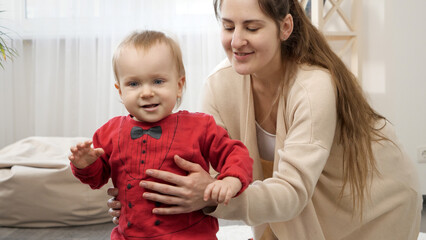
x: 265, y: 143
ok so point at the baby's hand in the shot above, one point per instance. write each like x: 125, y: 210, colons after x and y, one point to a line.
x: 83, y: 155
x: 223, y: 190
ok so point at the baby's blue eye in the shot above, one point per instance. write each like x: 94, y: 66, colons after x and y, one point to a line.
x: 158, y: 81
x: 133, y: 84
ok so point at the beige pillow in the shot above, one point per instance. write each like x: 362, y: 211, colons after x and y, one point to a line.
x: 37, y: 188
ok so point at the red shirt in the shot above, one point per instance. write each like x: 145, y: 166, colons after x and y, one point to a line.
x: 194, y: 137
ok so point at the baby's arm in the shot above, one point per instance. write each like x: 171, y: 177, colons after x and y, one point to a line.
x: 223, y: 190
x: 83, y: 154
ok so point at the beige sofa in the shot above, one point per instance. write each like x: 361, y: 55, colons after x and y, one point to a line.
x: 37, y: 188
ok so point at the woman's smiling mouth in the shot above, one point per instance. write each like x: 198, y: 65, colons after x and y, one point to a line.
x: 240, y: 56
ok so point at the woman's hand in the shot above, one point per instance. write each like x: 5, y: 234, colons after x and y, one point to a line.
x: 184, y: 193
x: 114, y: 205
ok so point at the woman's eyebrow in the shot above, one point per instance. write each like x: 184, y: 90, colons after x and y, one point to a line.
x: 245, y: 21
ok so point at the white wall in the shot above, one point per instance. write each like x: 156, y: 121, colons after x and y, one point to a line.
x: 393, y: 60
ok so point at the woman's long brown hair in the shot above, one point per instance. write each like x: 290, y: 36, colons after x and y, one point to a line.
x: 356, y: 118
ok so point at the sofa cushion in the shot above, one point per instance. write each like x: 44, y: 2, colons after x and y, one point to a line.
x: 38, y: 189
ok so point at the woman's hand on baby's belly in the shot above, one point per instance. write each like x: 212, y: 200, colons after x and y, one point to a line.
x: 183, y: 193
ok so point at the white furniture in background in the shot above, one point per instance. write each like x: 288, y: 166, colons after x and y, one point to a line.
x: 339, y: 22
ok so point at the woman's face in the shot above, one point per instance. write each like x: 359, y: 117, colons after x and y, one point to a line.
x: 249, y: 37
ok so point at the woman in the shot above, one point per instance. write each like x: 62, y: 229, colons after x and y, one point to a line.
x: 327, y: 165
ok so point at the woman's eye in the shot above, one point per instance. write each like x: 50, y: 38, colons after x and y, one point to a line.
x: 252, y: 29
x: 228, y: 27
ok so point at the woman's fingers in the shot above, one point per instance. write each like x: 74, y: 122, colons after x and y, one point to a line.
x: 173, y: 210
x: 164, y: 188
x: 167, y: 176
x: 114, y: 204
x: 113, y: 192
x: 115, y: 220
x: 165, y: 199
x: 114, y: 213
x: 187, y: 165
x: 114, y: 210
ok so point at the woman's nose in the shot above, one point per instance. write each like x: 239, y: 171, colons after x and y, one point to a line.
x: 238, y: 39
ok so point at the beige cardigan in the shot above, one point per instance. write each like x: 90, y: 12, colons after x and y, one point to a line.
x: 301, y: 200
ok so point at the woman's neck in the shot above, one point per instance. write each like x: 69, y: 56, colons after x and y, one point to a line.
x: 266, y: 88
x: 265, y: 97
x: 269, y: 78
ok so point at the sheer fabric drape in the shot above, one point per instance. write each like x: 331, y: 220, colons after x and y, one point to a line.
x: 61, y: 84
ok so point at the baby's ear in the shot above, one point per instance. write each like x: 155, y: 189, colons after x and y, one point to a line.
x: 181, y: 86
x: 117, y: 86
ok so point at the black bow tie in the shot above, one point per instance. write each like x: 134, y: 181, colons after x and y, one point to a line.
x: 138, y: 132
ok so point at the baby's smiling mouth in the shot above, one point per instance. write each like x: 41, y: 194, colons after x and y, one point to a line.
x: 150, y: 105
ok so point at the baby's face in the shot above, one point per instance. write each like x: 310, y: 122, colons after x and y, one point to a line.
x: 149, y: 83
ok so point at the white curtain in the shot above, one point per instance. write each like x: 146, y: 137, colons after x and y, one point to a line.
x: 61, y: 84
